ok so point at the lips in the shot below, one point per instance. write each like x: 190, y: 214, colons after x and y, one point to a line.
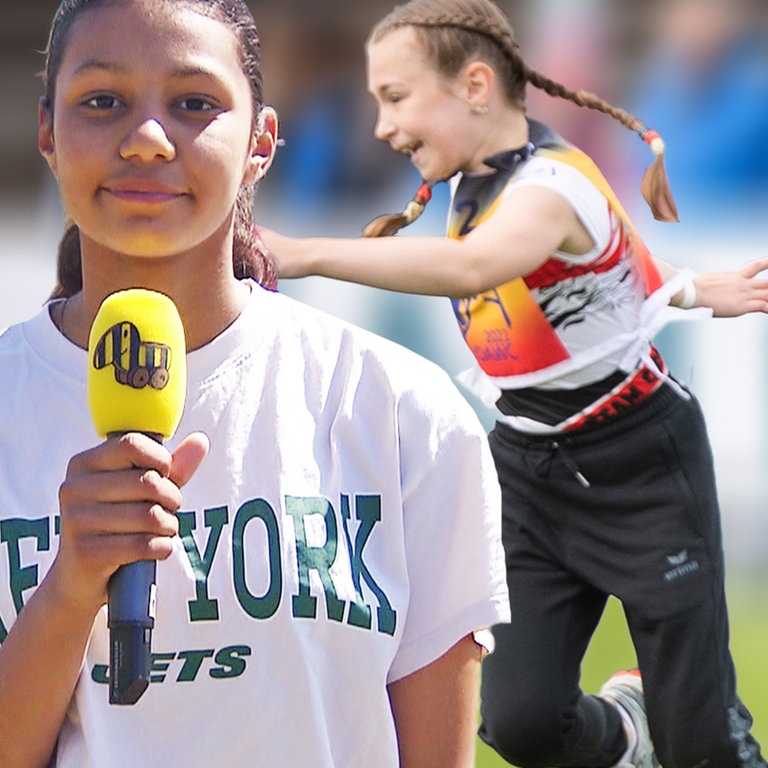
x: 143, y: 190
x: 411, y: 149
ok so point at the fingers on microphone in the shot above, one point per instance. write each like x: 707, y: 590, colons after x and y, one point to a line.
x: 127, y: 451
x: 123, y: 486
x: 188, y: 457
x: 107, y: 552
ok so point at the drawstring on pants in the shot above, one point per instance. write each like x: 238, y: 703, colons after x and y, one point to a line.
x: 569, y: 462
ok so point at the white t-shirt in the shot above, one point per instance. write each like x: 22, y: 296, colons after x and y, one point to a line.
x: 342, y: 533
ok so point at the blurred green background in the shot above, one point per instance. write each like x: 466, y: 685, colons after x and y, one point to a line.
x: 611, y: 649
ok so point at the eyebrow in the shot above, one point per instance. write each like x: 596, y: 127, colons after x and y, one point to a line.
x: 107, y: 66
x: 384, y: 89
x: 95, y: 64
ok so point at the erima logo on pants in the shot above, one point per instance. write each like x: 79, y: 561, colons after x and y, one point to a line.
x: 682, y: 565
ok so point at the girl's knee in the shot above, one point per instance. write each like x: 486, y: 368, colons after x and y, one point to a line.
x: 524, y: 734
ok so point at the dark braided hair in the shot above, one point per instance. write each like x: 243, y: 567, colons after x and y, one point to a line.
x: 454, y: 32
x: 250, y: 257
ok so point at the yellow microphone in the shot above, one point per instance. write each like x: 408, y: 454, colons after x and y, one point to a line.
x: 137, y: 382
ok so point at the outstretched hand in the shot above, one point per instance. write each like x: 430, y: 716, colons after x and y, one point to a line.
x: 731, y: 294
x: 287, y: 250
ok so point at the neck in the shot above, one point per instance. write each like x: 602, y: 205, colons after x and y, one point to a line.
x: 207, y: 294
x: 506, y: 128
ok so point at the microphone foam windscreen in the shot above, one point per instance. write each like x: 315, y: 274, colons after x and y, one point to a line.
x: 137, y: 365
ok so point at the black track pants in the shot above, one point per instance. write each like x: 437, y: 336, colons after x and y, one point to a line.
x: 647, y: 530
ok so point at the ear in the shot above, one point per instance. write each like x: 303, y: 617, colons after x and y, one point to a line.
x: 263, y: 145
x: 478, y: 80
x: 45, y: 142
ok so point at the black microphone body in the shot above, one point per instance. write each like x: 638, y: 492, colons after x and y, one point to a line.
x: 132, y: 592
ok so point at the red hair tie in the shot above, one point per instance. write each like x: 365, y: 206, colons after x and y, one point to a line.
x: 389, y: 224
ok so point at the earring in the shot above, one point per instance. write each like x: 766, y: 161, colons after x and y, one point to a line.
x: 479, y: 109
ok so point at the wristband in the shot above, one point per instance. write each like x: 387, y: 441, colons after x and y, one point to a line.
x: 689, y: 294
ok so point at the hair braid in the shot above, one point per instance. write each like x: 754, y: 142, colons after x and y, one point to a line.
x: 483, y: 20
x: 582, y: 99
x: 654, y: 185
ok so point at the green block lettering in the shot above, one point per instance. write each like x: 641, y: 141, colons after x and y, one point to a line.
x: 267, y: 604
x: 315, y: 558
x: 12, y: 532
x: 368, y: 512
x: 231, y: 662
x: 193, y: 660
x: 203, y: 607
x: 160, y: 664
x: 100, y: 674
x: 359, y: 611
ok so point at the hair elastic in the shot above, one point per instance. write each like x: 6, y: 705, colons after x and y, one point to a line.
x: 654, y: 141
x: 389, y: 224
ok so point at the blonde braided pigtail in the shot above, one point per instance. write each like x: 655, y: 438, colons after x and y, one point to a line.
x: 391, y: 223
x: 654, y: 186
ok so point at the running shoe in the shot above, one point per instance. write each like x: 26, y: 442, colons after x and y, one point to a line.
x: 625, y: 689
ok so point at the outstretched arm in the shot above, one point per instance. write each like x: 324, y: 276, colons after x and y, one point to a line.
x: 435, y: 710
x: 527, y: 227
x: 727, y: 293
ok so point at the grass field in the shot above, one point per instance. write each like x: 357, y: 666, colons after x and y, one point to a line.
x: 611, y: 649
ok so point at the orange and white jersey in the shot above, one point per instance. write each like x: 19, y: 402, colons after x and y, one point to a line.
x: 578, y: 318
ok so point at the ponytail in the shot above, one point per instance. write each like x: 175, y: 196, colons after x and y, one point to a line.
x: 250, y: 256
x: 69, y: 269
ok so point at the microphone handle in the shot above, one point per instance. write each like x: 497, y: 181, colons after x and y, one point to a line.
x: 131, y: 611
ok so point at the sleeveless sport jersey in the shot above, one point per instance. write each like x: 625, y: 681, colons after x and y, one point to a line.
x: 577, y: 320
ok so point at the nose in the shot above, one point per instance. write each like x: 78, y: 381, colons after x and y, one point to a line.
x: 384, y: 128
x: 148, y: 141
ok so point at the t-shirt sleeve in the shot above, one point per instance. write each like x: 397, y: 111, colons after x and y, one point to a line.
x: 452, y: 519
